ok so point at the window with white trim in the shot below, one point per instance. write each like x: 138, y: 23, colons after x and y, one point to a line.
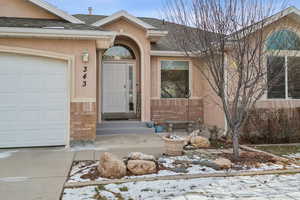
x: 174, y: 79
x: 284, y: 69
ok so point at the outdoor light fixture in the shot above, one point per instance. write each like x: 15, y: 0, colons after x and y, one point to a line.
x: 85, y: 57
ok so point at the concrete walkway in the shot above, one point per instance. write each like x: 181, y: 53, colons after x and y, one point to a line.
x: 40, y: 173
x: 33, y: 174
x: 121, y: 145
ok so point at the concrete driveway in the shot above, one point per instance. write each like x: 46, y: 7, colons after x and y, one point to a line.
x: 33, y: 174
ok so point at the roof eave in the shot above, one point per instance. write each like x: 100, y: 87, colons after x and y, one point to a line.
x: 156, y: 35
x: 55, y: 33
x: 52, y: 9
x: 168, y: 53
x: 126, y: 15
x: 272, y: 19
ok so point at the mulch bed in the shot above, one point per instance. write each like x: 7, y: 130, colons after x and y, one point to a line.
x: 252, y: 159
x: 247, y: 159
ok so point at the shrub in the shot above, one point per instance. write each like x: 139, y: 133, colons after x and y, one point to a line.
x: 271, y: 126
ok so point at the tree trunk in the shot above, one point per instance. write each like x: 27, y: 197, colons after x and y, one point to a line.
x: 236, y: 145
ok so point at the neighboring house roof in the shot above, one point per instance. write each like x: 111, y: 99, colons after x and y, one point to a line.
x: 52, y: 9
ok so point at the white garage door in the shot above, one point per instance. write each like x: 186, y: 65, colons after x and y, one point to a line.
x: 33, y: 101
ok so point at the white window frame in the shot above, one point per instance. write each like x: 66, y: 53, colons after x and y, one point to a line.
x: 190, y: 68
x: 285, y: 54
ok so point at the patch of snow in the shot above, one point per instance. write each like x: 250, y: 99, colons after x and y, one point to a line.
x: 107, y: 195
x: 79, y: 193
x: 175, y: 137
x: 6, y: 154
x: 295, y: 155
x: 254, y: 187
x: 14, y: 179
x: 86, y: 147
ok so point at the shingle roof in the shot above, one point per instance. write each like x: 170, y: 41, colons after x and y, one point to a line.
x: 164, y: 44
x: 42, y: 23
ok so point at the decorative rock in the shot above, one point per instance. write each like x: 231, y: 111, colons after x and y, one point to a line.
x: 195, y: 133
x: 205, y: 132
x: 180, y: 170
x: 189, y: 147
x: 223, y: 163
x: 111, y: 167
x: 141, y: 167
x: 140, y: 156
x: 207, y: 163
x: 200, y: 142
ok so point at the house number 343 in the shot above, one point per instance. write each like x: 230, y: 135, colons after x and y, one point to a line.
x: 84, y: 76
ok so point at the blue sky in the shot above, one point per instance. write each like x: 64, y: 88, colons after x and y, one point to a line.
x: 140, y: 8
x: 149, y: 8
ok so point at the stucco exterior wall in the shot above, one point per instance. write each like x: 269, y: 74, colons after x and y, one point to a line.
x: 23, y: 9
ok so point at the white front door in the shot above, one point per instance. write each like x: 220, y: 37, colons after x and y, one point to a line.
x: 115, y: 88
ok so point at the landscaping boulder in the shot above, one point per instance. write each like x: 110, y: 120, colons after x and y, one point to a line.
x: 140, y: 156
x: 200, y: 142
x: 111, y: 167
x: 141, y: 167
x: 204, y: 132
x: 189, y: 137
x: 223, y: 163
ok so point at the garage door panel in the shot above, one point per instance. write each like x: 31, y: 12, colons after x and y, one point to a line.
x: 55, y: 83
x: 8, y: 99
x: 8, y: 82
x: 8, y: 115
x: 33, y: 101
x: 30, y: 116
x: 55, y: 116
x: 31, y: 82
x: 30, y: 98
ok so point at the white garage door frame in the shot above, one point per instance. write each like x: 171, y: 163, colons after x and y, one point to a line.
x: 70, y: 59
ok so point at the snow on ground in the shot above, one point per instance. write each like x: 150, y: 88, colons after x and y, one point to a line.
x: 6, y: 154
x: 168, y: 162
x: 86, y: 147
x: 14, y: 179
x: 285, y: 187
x: 295, y: 155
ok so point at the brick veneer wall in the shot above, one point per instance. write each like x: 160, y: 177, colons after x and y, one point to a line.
x: 83, y: 121
x: 176, y: 109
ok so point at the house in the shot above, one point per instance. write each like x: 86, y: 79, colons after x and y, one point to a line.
x: 61, y: 75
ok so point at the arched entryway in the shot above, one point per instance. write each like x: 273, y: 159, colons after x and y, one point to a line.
x: 120, y: 81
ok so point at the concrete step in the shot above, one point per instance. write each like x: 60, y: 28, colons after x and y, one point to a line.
x: 122, y: 124
x: 123, y: 127
x: 110, y: 131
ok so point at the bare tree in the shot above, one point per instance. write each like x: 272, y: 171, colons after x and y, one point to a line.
x: 227, y: 40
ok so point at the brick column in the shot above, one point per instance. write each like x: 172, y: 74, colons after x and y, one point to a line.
x: 83, y: 121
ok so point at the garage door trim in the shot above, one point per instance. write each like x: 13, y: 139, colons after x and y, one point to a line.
x: 70, y: 71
